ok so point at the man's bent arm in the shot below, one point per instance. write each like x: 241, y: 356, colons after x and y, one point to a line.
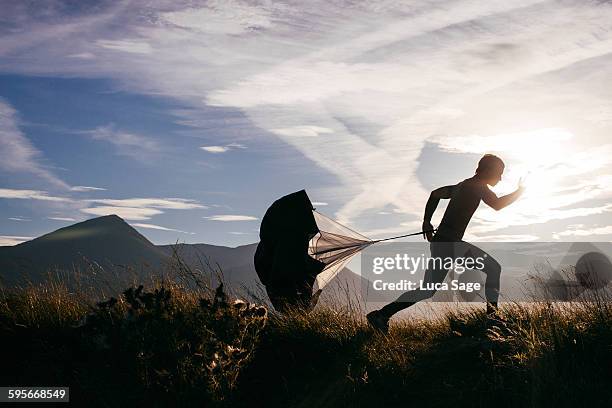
x: 497, y: 203
x: 434, y: 199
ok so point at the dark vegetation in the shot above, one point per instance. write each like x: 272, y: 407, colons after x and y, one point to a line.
x: 188, y: 345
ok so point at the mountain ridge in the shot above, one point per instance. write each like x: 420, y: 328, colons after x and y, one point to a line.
x: 110, y: 242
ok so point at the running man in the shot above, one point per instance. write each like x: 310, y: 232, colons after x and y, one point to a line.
x: 464, y: 198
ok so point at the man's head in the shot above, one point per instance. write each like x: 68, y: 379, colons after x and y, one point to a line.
x: 490, y: 169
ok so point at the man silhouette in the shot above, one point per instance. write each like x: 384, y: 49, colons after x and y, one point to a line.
x: 447, y: 241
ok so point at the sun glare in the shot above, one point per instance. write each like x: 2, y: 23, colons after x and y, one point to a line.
x: 540, y: 158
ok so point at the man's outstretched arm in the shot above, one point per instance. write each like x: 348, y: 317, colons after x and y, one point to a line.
x: 497, y: 203
x: 432, y: 203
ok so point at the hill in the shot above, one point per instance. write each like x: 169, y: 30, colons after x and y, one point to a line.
x: 106, y: 241
x: 239, y: 271
x: 236, y: 263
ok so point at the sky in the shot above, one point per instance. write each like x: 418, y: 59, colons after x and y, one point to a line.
x: 188, y: 119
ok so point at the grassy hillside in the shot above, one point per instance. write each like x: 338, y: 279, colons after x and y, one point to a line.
x: 165, y: 346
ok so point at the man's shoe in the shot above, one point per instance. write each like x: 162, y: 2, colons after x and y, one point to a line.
x: 378, y: 321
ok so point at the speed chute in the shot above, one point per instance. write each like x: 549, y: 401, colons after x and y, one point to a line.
x: 300, y: 247
x: 282, y: 261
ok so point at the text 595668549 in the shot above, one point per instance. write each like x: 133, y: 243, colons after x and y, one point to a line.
x: 32, y: 394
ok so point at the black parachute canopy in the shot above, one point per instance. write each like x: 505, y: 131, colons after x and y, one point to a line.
x: 298, y: 245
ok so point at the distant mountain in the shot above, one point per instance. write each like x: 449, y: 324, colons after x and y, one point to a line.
x: 107, y: 241
x: 346, y: 288
x: 236, y: 263
x: 115, y: 246
x: 239, y: 271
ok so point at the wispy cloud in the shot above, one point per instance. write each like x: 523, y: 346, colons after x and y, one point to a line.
x: 223, y: 17
x: 585, y: 232
x: 301, y: 131
x: 137, y: 209
x: 133, y: 145
x: 127, y: 213
x: 487, y: 221
x: 128, y: 208
x: 165, y: 203
x: 159, y: 228
x: 231, y: 218
x: 82, y: 55
x: 506, y: 238
x: 69, y: 219
x: 215, y: 149
x: 82, y: 189
x: 10, y: 240
x: 135, y: 47
x: 30, y: 195
x: 17, y: 153
x: 222, y: 149
x: 405, y: 227
x: 19, y: 219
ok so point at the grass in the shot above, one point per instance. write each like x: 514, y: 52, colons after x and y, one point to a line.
x: 169, y: 345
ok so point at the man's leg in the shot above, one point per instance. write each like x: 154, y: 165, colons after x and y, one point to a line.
x: 407, y: 299
x: 492, y: 270
x: 434, y: 274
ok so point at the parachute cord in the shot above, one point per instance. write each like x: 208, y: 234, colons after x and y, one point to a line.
x: 406, y: 235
